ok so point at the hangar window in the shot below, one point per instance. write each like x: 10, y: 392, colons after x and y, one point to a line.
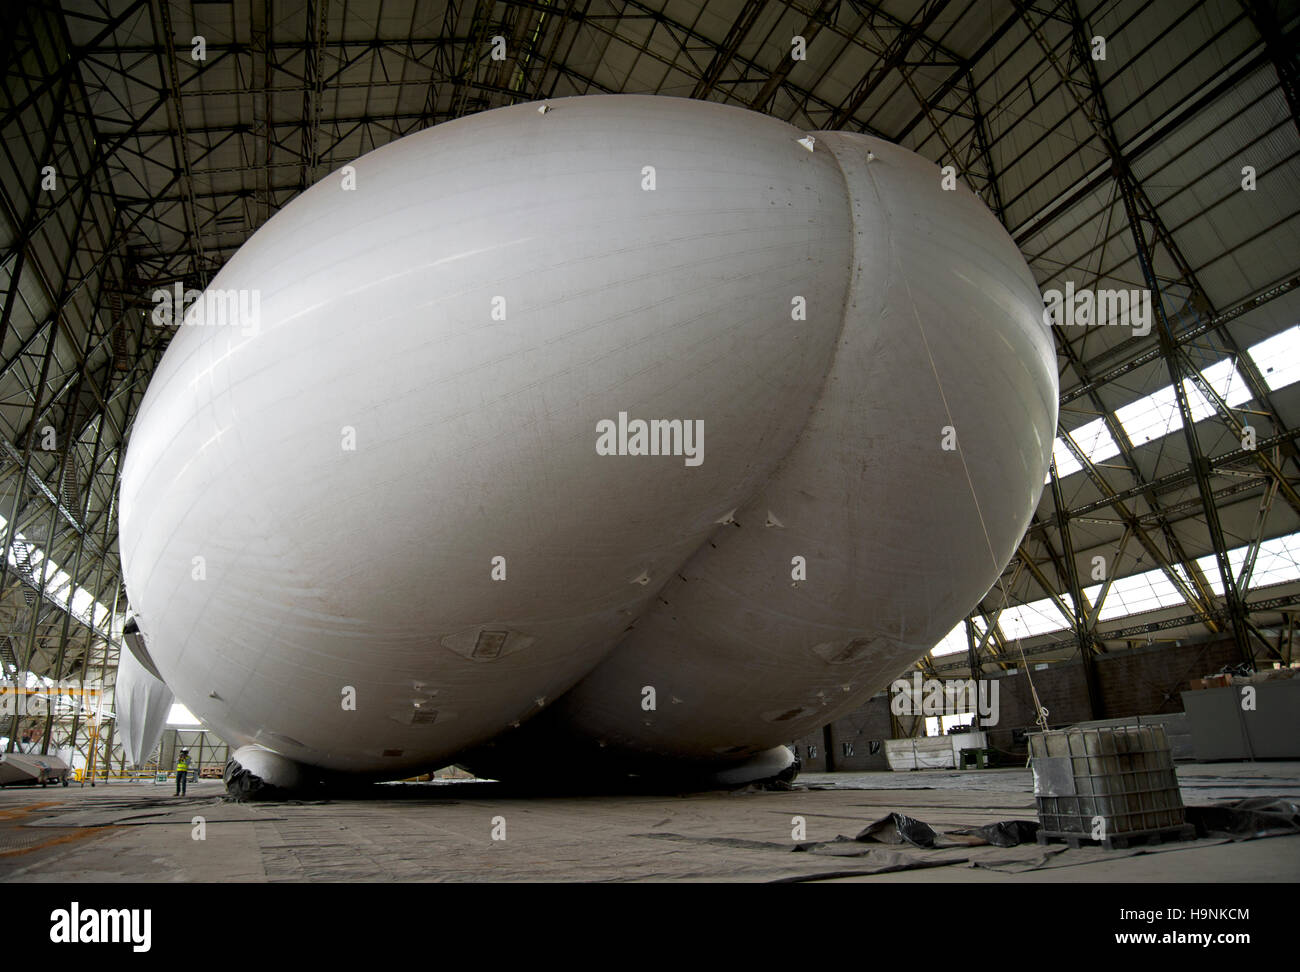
x: 1034, y: 618
x: 1277, y: 562
x: 1157, y: 415
x: 955, y: 640
x: 1227, y: 383
x: 1147, y: 591
x: 1094, y: 441
x: 942, y: 725
x: 1152, y: 417
x: 25, y: 557
x: 1278, y: 358
x: 178, y: 715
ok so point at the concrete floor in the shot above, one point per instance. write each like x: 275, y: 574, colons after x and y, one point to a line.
x: 443, y: 831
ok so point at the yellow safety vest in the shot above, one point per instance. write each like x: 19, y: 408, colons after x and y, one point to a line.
x: 182, y: 765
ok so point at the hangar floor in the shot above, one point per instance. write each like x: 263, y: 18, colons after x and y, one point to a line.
x: 443, y: 831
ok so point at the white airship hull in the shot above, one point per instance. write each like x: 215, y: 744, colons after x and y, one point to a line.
x: 377, y: 528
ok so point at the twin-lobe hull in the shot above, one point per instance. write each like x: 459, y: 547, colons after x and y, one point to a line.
x: 387, y: 523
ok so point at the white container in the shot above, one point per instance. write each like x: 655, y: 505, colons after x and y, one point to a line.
x: 932, y: 752
x: 1123, y: 776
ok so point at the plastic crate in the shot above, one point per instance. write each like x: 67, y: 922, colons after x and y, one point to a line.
x: 1123, y: 775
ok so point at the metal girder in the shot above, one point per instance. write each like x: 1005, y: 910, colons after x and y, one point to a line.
x: 1058, y: 127
x: 10, y: 528
x: 893, y: 58
x: 816, y: 20
x: 991, y: 630
x: 1138, y: 211
x: 1198, y: 601
x: 1230, y: 77
x: 180, y: 138
x: 1079, y: 616
x: 569, y: 14
x: 1230, y: 419
x: 973, y: 657
x: 740, y: 29
x: 313, y: 90
x: 1184, y: 337
x: 260, y: 82
x: 1094, y: 615
x: 27, y: 222
x: 1087, y: 93
x: 14, y: 454
x: 72, y: 66
x: 481, y: 24
x: 983, y: 151
x: 1281, y: 47
x: 1127, y: 632
x: 105, y: 153
x: 963, y: 72
x: 1183, y: 477
x: 82, y: 197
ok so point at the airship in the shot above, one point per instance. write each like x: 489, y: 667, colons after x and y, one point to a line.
x: 629, y: 434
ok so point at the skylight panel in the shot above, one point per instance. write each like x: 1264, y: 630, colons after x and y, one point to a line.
x: 57, y: 581
x: 955, y: 640
x: 1278, y: 358
x: 1210, y: 568
x: 81, y: 602
x: 1035, y: 618
x: 1277, y: 562
x: 1094, y: 441
x: 1066, y: 464
x: 1137, y: 594
x: 1157, y: 415
x: 1226, y: 381
x: 1152, y: 417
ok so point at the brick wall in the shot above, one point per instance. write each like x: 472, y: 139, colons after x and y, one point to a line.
x: 858, y: 738
x: 1144, y: 681
x: 812, y: 751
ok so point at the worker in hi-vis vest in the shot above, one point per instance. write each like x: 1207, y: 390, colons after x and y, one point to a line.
x: 182, y: 771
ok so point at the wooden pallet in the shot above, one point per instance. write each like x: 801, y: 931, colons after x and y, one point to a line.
x: 1124, y: 841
